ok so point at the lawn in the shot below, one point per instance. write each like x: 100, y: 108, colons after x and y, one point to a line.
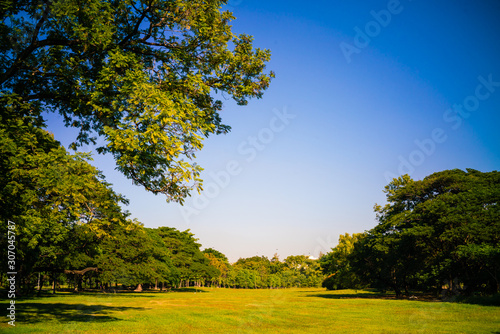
x: 247, y: 311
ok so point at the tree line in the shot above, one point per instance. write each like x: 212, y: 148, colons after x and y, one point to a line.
x: 440, y: 234
x: 148, y: 78
x: 70, y: 227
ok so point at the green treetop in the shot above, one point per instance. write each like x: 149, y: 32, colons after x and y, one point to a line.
x: 442, y: 229
x: 144, y: 75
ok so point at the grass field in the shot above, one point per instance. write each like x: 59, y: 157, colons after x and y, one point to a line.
x: 247, y: 311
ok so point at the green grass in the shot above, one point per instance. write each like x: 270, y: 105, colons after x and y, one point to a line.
x: 247, y: 311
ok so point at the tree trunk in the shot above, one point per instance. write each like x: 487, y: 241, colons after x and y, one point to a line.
x: 54, y: 284
x: 75, y: 283
x: 40, y: 284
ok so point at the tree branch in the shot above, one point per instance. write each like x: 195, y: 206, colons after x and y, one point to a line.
x: 29, y: 50
x: 26, y: 52
x: 136, y: 28
x: 80, y: 272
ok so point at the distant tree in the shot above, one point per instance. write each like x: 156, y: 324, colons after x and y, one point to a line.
x: 216, y: 254
x: 160, y: 260
x: 301, y: 271
x: 220, y: 262
x: 125, y: 256
x: 294, y: 262
x: 247, y: 278
x: 275, y: 264
x: 147, y: 76
x: 258, y: 266
x: 187, y: 257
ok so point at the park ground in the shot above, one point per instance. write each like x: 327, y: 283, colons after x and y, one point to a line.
x: 212, y: 310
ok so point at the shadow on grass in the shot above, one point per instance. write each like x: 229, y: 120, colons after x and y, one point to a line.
x: 421, y: 297
x: 373, y: 294
x: 47, y: 294
x: 37, y: 312
x: 362, y: 295
x: 93, y: 293
x: 476, y: 300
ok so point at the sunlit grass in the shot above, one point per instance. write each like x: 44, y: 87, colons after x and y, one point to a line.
x: 248, y: 311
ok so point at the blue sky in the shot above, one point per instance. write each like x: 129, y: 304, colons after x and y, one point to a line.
x: 420, y: 93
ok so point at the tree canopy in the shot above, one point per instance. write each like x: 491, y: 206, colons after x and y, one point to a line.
x: 336, y: 264
x: 147, y: 76
x: 442, y: 230
x: 61, y: 204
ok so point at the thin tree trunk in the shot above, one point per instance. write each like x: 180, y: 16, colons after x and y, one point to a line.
x: 40, y: 284
x: 54, y: 283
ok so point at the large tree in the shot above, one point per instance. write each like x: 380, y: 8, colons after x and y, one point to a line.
x: 186, y: 256
x: 148, y: 76
x: 444, y: 229
x: 60, y: 204
x: 134, y: 255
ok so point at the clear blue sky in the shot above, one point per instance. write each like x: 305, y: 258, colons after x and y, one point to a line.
x: 363, y: 91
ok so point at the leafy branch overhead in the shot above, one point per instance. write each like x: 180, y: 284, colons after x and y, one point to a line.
x: 146, y: 76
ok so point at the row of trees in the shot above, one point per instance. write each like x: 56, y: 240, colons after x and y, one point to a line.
x: 69, y: 225
x: 67, y: 218
x: 261, y: 272
x: 442, y: 232
x: 148, y: 78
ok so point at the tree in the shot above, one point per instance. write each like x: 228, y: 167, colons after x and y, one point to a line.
x: 160, y: 261
x: 337, y: 265
x: 61, y: 205
x: 275, y: 264
x: 186, y: 256
x: 256, y: 270
x: 148, y: 76
x: 301, y: 271
x: 134, y: 255
x: 442, y: 229
x: 220, y: 262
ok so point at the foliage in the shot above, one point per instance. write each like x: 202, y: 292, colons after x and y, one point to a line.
x: 134, y: 255
x: 60, y: 204
x: 260, y: 272
x: 147, y: 76
x: 220, y: 262
x: 444, y: 229
x: 186, y: 256
x: 336, y: 264
x: 252, y: 272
